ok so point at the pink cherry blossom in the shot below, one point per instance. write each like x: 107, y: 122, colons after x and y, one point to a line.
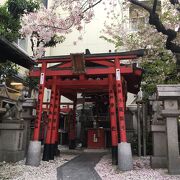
x: 57, y: 20
x: 64, y: 15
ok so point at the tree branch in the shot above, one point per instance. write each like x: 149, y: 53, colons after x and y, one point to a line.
x: 175, y: 2
x: 56, y: 27
x: 171, y: 34
x: 84, y: 4
x: 155, y: 20
x: 92, y: 6
x: 154, y: 6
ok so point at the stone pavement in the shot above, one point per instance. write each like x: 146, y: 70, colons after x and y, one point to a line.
x: 80, y: 168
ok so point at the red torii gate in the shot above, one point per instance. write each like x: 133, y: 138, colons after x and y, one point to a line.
x: 86, y: 73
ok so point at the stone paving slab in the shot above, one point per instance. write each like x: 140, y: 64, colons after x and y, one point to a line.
x: 80, y: 168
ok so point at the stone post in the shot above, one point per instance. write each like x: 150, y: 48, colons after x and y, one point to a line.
x: 11, y: 138
x: 144, y: 125
x: 139, y: 126
x: 158, y: 129
x: 170, y: 94
x: 27, y: 116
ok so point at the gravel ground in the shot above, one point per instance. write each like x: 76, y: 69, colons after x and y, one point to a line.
x: 141, y: 171
x: 46, y: 171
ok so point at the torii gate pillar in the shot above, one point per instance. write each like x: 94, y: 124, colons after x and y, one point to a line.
x: 53, y: 118
x: 34, y: 149
x: 112, y: 109
x: 124, y: 149
x: 72, y: 127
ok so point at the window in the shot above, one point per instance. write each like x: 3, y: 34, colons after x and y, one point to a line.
x: 22, y: 44
x: 45, y: 2
x: 136, y: 23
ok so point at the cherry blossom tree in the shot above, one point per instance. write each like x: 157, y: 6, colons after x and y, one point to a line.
x: 49, y: 26
x: 168, y: 27
x: 159, y: 64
